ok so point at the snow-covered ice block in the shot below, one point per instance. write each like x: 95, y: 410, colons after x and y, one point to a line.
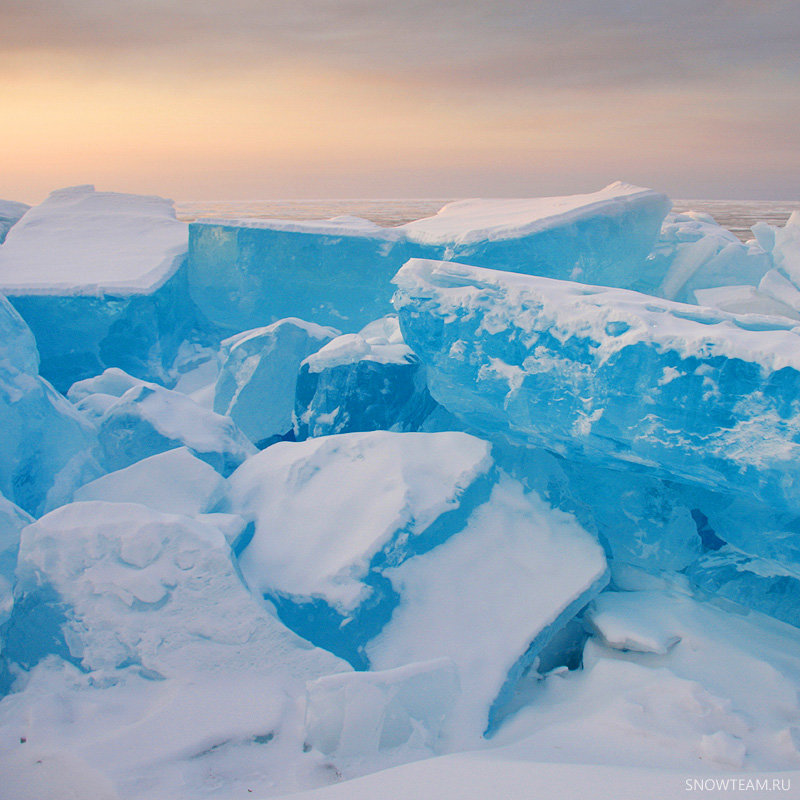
x: 185, y: 685
x: 746, y: 300
x: 175, y: 482
x: 329, y: 514
x: 97, y: 276
x: 724, y: 694
x: 12, y: 520
x: 46, y: 445
x: 694, y: 252
x: 109, y: 585
x: 245, y: 273
x: 358, y: 714
x: 361, y: 382
x: 113, y: 382
x: 638, y: 630
x: 612, y: 377
x: 522, y: 569
x: 783, y: 245
x: 602, y: 237
x: 256, y: 383
x: 763, y: 584
x: 149, y: 419
x: 10, y: 213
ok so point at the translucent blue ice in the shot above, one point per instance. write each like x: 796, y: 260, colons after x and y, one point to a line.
x: 612, y: 377
x: 362, y: 381
x: 256, y: 383
x: 763, y: 584
x: 146, y: 419
x: 46, y: 445
x: 247, y: 273
x: 99, y: 278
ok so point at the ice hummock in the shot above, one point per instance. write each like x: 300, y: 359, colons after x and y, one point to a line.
x: 148, y: 419
x: 138, y: 623
x: 97, y: 276
x: 370, y: 380
x: 694, y: 253
x: 47, y: 447
x: 10, y: 213
x: 359, y: 539
x: 329, y: 511
x: 245, y: 273
x: 258, y: 375
x: 612, y: 377
x: 525, y: 571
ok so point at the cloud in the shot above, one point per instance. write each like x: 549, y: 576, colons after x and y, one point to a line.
x: 458, y: 43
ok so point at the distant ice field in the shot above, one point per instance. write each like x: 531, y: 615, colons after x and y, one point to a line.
x: 735, y: 215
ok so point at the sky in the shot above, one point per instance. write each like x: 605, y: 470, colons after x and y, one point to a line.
x: 270, y: 99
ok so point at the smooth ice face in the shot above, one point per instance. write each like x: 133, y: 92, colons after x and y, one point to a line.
x: 327, y: 510
x: 121, y: 584
x: 601, y: 237
x: 12, y: 520
x: 640, y: 520
x: 256, y: 383
x: 244, y: 273
x: 694, y: 253
x: 612, y: 377
x: 46, y: 446
x: 149, y: 419
x: 248, y: 273
x: 361, y: 714
x: 96, y: 276
x: 766, y: 585
x: 524, y: 570
x: 363, y: 381
x: 10, y: 213
x: 175, y: 482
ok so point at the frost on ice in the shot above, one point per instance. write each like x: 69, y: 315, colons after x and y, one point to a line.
x: 610, y: 376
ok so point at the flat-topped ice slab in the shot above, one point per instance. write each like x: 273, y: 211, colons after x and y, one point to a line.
x: 477, y: 220
x: 611, y: 376
x: 80, y: 241
x: 247, y: 273
x: 98, y: 277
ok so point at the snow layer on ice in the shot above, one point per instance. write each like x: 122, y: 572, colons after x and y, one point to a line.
x: 611, y: 376
x: 324, y: 508
x: 79, y: 241
x: 175, y: 482
x: 523, y: 570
